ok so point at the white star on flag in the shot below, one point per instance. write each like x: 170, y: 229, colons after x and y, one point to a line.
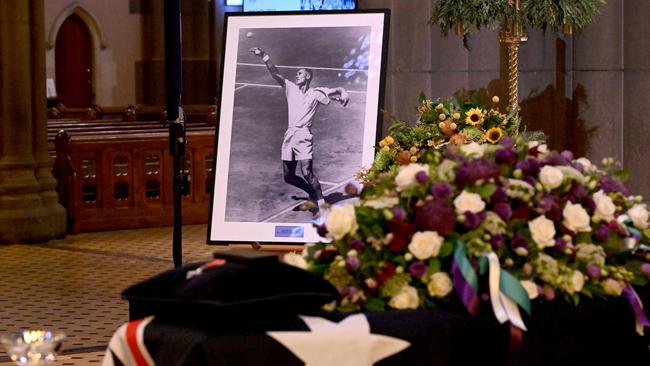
x: 347, y: 343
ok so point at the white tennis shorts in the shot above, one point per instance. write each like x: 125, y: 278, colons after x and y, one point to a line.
x: 297, y: 144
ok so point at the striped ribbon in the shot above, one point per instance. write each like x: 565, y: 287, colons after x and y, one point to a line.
x: 465, y: 280
x: 506, y: 293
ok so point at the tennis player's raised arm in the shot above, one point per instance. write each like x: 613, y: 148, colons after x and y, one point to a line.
x: 275, y: 73
x: 339, y: 94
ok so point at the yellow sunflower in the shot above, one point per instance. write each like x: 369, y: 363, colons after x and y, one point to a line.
x: 474, y: 116
x: 494, y: 135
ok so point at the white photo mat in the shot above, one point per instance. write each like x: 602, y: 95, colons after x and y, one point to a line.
x: 229, y: 222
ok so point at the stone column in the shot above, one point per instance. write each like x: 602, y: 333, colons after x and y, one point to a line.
x: 29, y: 211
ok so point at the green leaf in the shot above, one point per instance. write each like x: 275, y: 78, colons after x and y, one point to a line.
x: 423, y: 97
x: 434, y: 266
x: 639, y: 281
x: 582, y: 238
x: 318, y: 269
x: 375, y: 304
x: 486, y: 190
x: 446, y: 249
x: 622, y: 175
x: 477, y: 98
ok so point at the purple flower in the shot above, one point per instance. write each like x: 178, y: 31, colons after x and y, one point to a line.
x: 609, y: 184
x: 399, y: 213
x: 506, y: 156
x: 357, y: 245
x: 602, y: 232
x: 347, y: 291
x: 558, y: 159
x: 418, y: 269
x: 551, y: 206
x: 519, y: 241
x: 568, y: 155
x: 577, y: 190
x: 351, y: 189
x: 615, y: 226
x: 462, y: 175
x: 593, y: 270
x: 549, y: 293
x: 322, y: 230
x: 421, y: 177
x: 483, y: 169
x: 507, y: 141
x: 472, y: 220
x: 645, y: 269
x: 503, y: 210
x: 476, y: 169
x: 352, y: 263
x: 530, y: 180
x: 499, y: 195
x: 496, y: 241
x: 589, y: 203
x: 528, y: 166
x: 436, y: 215
x: 560, y: 244
x: 441, y: 191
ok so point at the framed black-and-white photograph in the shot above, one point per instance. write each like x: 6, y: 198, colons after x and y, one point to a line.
x: 298, y: 119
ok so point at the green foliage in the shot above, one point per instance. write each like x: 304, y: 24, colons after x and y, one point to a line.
x: 374, y: 304
x: 541, y: 14
x: 393, y: 286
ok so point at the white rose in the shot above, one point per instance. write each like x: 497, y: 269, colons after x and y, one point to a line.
x: 639, y: 215
x: 551, y: 177
x: 613, y: 287
x: 577, y: 281
x: 576, y: 218
x: 295, y: 260
x: 440, y: 284
x: 407, y: 298
x: 342, y: 220
x: 406, y: 175
x: 531, y: 288
x: 586, y: 164
x: 473, y: 149
x: 425, y: 244
x: 467, y: 201
x: 605, y: 207
x: 543, y: 232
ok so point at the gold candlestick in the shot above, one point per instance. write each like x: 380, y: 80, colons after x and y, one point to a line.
x: 512, y: 35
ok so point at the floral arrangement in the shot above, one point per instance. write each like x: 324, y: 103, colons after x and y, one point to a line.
x: 442, y: 122
x: 512, y: 221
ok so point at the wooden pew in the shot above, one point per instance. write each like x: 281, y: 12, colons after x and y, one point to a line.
x: 123, y: 180
x: 106, y: 127
x: 195, y: 113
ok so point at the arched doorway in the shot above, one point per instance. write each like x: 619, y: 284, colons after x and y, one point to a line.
x: 73, y: 59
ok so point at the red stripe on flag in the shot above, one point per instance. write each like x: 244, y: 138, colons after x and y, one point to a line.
x: 131, y: 339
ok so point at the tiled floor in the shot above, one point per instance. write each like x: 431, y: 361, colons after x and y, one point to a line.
x: 74, y: 284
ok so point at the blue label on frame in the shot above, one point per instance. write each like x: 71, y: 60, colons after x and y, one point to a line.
x: 289, y: 231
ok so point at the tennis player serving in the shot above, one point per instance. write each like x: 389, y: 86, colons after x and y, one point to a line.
x: 297, y: 146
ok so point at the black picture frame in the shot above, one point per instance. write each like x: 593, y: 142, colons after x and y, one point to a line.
x: 251, y: 200
x: 302, y: 5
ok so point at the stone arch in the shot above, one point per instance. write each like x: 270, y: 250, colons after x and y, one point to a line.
x: 104, y: 73
x: 92, y: 24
